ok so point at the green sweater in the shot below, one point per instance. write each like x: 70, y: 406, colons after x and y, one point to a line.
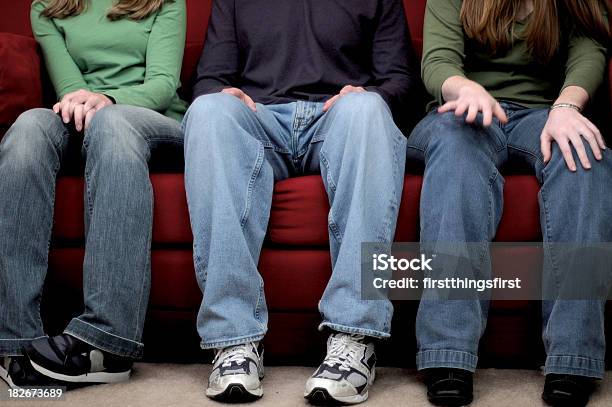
x: 134, y: 62
x: 514, y: 76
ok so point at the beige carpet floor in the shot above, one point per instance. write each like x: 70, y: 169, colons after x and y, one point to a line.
x: 167, y: 385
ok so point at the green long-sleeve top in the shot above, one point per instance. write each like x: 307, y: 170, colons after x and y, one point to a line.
x: 134, y: 62
x: 514, y: 76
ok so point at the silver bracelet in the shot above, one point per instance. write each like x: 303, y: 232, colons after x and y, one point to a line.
x: 568, y: 105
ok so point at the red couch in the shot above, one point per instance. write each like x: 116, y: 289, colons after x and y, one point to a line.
x: 295, y: 261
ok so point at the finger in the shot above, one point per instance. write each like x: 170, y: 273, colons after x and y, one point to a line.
x: 90, y: 114
x: 90, y: 104
x: 578, y: 145
x: 566, y: 150
x: 545, y: 146
x: 600, y: 140
x: 499, y: 112
x: 67, y: 109
x: 330, y: 102
x: 79, y: 115
x: 461, y: 108
x: 487, y: 115
x: 472, y: 113
x: 447, y: 107
x: 346, y: 89
x: 233, y: 91
x: 56, y: 107
x: 249, y: 102
x: 588, y: 135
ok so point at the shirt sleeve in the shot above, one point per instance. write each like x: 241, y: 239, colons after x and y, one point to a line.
x: 443, y: 45
x: 163, y: 61
x: 64, y: 73
x: 393, y: 59
x: 586, y: 64
x: 219, y: 65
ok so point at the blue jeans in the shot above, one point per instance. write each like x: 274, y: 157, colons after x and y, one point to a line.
x: 462, y: 201
x: 233, y: 156
x: 118, y: 221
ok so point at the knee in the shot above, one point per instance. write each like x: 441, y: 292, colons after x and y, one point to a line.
x: 29, y: 140
x: 366, y: 122
x: 214, y: 106
x: 210, y: 118
x: 112, y: 134
x: 110, y: 119
x: 450, y: 137
x: 34, y: 120
x: 587, y: 182
x: 32, y: 127
x: 361, y: 105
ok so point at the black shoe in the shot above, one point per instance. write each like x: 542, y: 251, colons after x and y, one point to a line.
x: 17, y: 372
x: 449, y: 387
x: 69, y: 359
x: 564, y: 390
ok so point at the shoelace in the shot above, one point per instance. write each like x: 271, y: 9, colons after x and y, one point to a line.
x: 343, y: 351
x: 236, y: 354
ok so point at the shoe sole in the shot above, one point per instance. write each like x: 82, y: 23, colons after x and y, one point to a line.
x: 94, y: 378
x: 4, y: 375
x: 450, y: 401
x: 319, y: 396
x: 563, y: 402
x: 236, y: 393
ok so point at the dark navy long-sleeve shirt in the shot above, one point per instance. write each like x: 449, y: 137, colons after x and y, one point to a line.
x: 279, y: 51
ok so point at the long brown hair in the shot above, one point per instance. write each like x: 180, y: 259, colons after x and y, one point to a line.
x: 490, y: 23
x: 132, y: 9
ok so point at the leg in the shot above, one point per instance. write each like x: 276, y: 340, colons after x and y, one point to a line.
x: 231, y: 163
x: 574, y: 208
x: 30, y: 156
x: 461, y: 201
x: 119, y: 216
x: 362, y: 161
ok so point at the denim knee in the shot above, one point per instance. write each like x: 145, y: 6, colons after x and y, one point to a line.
x: 445, y: 139
x: 361, y: 105
x: 212, y: 122
x: 215, y: 105
x: 28, y: 140
x: 112, y: 136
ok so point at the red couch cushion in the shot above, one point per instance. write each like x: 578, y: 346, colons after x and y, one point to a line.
x: 20, y: 84
x: 299, y: 211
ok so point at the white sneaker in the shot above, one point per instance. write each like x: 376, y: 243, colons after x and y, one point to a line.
x: 346, y: 373
x: 237, y: 373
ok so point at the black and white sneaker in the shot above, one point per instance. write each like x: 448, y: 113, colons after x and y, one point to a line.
x: 17, y: 372
x: 237, y: 373
x: 69, y: 359
x: 346, y: 373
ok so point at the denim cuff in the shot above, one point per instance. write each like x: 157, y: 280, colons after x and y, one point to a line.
x: 13, y: 347
x: 232, y: 341
x: 352, y: 330
x: 455, y: 359
x: 105, y: 341
x: 575, y: 365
